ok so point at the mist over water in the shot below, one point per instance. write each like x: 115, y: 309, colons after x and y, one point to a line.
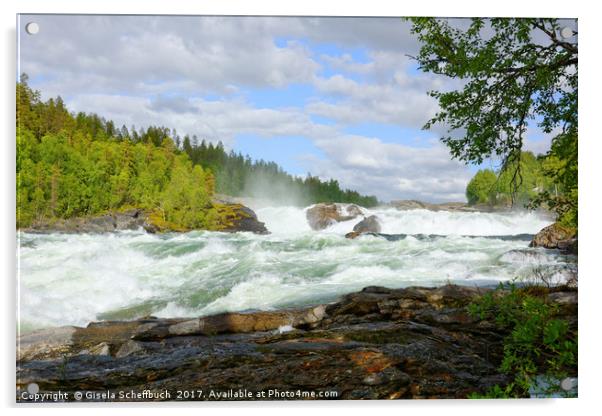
x: 72, y: 279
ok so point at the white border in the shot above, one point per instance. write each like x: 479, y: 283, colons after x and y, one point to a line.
x: 590, y: 155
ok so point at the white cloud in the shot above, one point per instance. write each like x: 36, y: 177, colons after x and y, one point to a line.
x: 400, y: 101
x: 393, y: 171
x: 141, y: 54
x: 161, y: 70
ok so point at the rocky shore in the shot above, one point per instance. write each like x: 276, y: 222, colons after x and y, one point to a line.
x: 556, y: 236
x: 378, y: 343
x: 239, y: 217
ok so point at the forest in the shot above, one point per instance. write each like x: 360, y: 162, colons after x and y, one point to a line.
x: 496, y: 188
x: 80, y: 164
x: 537, y: 183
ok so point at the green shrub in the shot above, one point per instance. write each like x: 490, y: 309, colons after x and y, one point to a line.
x: 540, y: 342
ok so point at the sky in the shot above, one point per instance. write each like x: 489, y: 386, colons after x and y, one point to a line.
x: 335, y: 97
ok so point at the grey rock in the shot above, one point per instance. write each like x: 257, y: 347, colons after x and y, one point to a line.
x: 369, y: 224
x: 378, y: 343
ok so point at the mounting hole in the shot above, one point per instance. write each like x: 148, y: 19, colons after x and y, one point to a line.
x: 32, y: 28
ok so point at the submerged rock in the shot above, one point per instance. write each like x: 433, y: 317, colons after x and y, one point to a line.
x: 352, y: 234
x: 556, y: 236
x: 323, y: 215
x: 378, y: 343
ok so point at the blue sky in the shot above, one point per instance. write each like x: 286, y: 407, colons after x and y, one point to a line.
x: 337, y: 97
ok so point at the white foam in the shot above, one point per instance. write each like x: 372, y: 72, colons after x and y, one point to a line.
x: 72, y: 279
x: 285, y: 328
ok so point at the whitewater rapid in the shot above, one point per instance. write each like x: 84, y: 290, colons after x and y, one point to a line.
x: 72, y: 279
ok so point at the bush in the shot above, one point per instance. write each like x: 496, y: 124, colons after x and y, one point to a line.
x: 540, y: 343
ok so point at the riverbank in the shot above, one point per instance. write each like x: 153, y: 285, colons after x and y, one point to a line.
x: 233, y: 217
x: 377, y: 343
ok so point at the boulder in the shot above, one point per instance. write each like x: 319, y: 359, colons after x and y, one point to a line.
x: 238, y: 217
x: 368, y: 225
x: 555, y: 236
x: 323, y: 215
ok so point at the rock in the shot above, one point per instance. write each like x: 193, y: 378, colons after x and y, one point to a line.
x: 223, y: 323
x: 190, y: 327
x: 563, y: 298
x: 368, y: 225
x: 246, y: 220
x: 353, y: 210
x: 555, y: 236
x: 236, y: 217
x: 46, y: 342
x: 352, y: 234
x: 404, y: 205
x: 129, y: 348
x: 378, y: 343
x: 100, y: 349
x: 114, y: 221
x: 311, y: 318
x: 323, y: 215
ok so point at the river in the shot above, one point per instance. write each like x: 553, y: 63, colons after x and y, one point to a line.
x: 72, y: 279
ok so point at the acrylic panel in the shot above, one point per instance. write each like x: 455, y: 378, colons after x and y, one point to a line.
x: 291, y: 208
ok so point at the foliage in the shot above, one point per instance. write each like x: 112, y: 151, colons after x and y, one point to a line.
x: 539, y: 341
x: 561, y: 166
x: 81, y: 164
x: 481, y: 188
x: 238, y: 175
x: 497, y: 189
x: 508, y: 81
x: 62, y: 176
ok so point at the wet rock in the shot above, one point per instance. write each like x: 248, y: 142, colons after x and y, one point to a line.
x: 352, y: 234
x: 378, y: 343
x: 323, y: 215
x: 555, y: 236
x: 369, y: 224
x: 241, y: 218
